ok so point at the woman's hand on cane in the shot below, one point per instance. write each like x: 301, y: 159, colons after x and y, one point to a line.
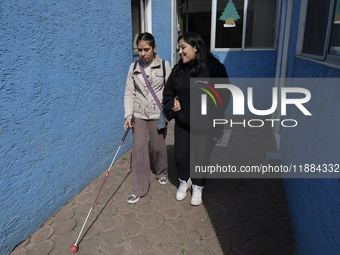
x: 128, y: 124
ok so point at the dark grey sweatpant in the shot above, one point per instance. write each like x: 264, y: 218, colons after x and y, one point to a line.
x: 143, y: 131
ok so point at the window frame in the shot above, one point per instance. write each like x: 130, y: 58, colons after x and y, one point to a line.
x: 243, y: 48
x: 326, y: 58
x: 145, y: 21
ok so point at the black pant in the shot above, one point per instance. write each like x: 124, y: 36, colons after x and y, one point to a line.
x: 203, y: 146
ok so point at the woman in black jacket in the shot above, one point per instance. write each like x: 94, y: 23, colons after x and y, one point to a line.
x: 198, y: 62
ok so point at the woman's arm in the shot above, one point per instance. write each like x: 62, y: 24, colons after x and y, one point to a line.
x: 221, y: 72
x: 167, y: 71
x: 129, y: 96
x: 169, y: 94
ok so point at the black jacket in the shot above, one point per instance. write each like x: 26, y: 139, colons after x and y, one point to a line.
x: 179, y: 85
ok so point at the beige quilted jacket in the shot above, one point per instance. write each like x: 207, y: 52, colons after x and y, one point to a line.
x: 138, y: 100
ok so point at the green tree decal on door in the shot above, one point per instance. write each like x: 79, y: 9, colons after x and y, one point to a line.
x: 230, y: 15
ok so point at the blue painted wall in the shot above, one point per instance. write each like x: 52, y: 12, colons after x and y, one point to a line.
x: 251, y: 64
x: 313, y: 203
x: 161, y: 27
x: 63, y: 71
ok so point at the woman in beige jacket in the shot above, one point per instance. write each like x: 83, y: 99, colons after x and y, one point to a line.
x: 139, y: 102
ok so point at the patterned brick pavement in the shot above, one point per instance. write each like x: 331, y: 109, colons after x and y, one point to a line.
x: 238, y: 216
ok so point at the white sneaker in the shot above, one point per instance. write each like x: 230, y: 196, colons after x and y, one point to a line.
x: 163, y: 180
x: 183, y: 188
x: 132, y: 199
x: 196, y: 198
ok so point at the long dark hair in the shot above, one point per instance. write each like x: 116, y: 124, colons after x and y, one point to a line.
x: 202, y: 55
x: 147, y: 37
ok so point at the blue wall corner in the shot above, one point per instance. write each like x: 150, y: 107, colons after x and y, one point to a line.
x: 256, y: 66
x: 313, y: 203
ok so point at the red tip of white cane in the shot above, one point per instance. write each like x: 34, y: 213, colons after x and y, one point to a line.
x: 74, y: 248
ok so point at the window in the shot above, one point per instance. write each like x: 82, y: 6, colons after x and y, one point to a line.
x: 260, y: 24
x: 141, y: 19
x: 231, y: 24
x: 334, y: 43
x: 321, y: 38
x: 195, y: 16
x: 244, y: 24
